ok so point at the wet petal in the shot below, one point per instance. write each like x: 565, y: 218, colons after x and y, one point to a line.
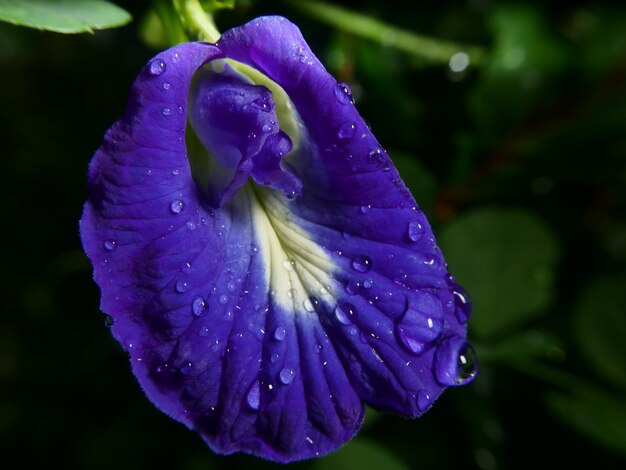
x: 263, y: 314
x: 390, y: 303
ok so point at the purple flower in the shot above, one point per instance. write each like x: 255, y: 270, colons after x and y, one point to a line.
x: 263, y: 263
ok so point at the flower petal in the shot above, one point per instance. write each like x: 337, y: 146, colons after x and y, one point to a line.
x: 261, y: 321
x: 396, y: 305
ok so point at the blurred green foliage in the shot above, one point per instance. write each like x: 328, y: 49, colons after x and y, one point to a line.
x: 519, y: 162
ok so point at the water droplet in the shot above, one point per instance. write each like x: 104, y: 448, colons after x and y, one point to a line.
x: 376, y: 155
x: 186, y: 368
x: 176, y: 172
x: 280, y: 333
x: 347, y: 130
x: 197, y: 306
x: 292, y: 196
x: 264, y: 103
x: 463, y: 304
x: 362, y: 264
x: 166, y: 85
x: 353, y: 286
x: 254, y: 396
x: 267, y: 128
x: 166, y: 111
x: 459, y: 62
x: 223, y: 299
x: 423, y: 400
x: 230, y: 286
x: 346, y: 236
x: 368, y: 283
x: 204, y: 331
x: 365, y: 209
x: 109, y: 245
x: 342, y: 314
x: 291, y: 293
x: 274, y: 358
x: 418, y: 329
x: 157, y: 67
x: 181, y: 286
x: 455, y: 361
x: 288, y: 264
x: 177, y: 206
x: 287, y: 375
x: 343, y: 93
x: 415, y: 231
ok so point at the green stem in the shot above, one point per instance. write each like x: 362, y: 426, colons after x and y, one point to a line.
x: 197, y: 22
x: 422, y: 47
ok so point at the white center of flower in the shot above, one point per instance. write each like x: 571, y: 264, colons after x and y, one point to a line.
x: 298, y: 270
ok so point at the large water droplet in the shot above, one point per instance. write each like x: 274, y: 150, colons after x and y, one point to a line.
x: 417, y: 329
x: 343, y: 313
x: 415, y: 231
x: 109, y: 245
x: 254, y: 396
x: 308, y: 305
x: 177, y: 206
x: 343, y: 93
x: 455, y: 361
x: 197, y: 306
x: 346, y: 131
x: 286, y: 375
x: 182, y: 286
x: 362, y: 264
x: 157, y: 67
x: 280, y: 333
x: 463, y: 304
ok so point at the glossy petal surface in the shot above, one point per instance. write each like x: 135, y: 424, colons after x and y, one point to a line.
x: 263, y: 321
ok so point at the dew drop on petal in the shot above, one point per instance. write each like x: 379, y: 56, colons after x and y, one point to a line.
x: 177, y: 206
x: 423, y: 400
x: 343, y: 93
x: 362, y: 264
x: 455, y: 361
x: 157, y: 67
x: 463, y: 304
x: 181, y: 286
x: 254, y: 396
x: 365, y: 209
x: 286, y: 375
x: 109, y: 245
x: 353, y: 286
x: 280, y: 333
x: 186, y: 368
x: 368, y: 283
x: 166, y: 85
x: 166, y: 111
x: 346, y: 131
x: 275, y: 357
x: 341, y: 314
x: 223, y: 299
x: 197, y: 306
x: 308, y: 305
x: 415, y: 231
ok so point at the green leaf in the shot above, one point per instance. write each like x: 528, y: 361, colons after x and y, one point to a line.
x: 600, y: 416
x: 600, y: 327
x: 64, y: 16
x: 361, y: 453
x: 505, y: 259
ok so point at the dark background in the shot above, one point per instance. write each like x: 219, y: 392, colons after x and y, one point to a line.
x: 520, y: 164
